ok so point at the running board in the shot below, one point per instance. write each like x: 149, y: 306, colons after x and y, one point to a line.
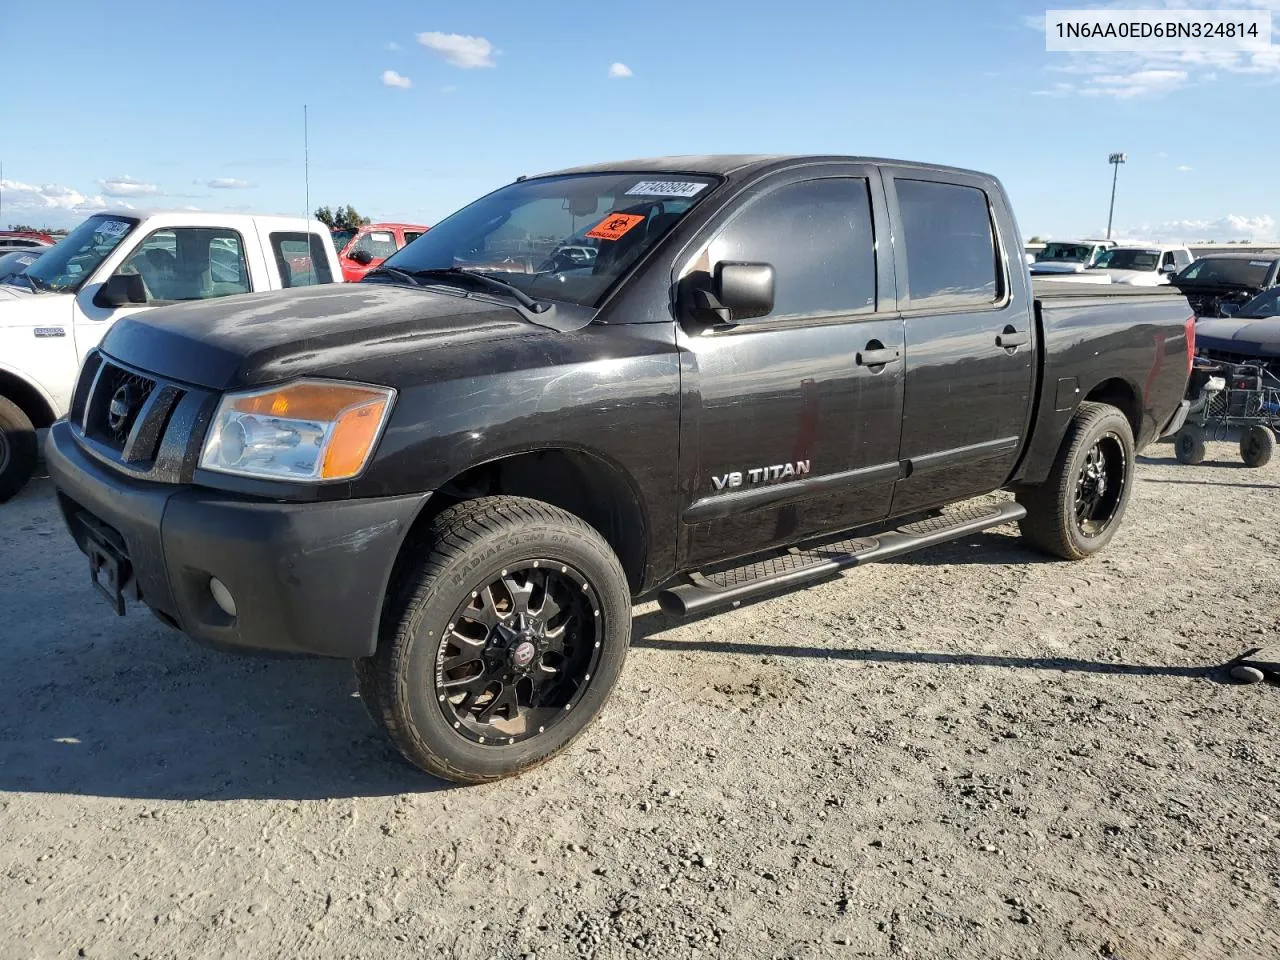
x: 802, y: 565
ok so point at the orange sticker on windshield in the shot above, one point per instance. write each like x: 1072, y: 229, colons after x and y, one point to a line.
x: 614, y: 226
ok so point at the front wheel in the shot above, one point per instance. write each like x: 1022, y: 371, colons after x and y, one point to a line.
x: 19, y: 452
x: 1257, y: 445
x: 1078, y: 508
x: 502, y: 643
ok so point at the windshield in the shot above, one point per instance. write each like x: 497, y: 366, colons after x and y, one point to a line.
x: 1064, y: 252
x: 68, y: 264
x: 562, y: 238
x: 1263, y: 305
x: 1128, y: 260
x: 12, y: 264
x: 1235, y: 271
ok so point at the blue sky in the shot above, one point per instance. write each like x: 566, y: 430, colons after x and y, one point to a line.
x: 417, y: 107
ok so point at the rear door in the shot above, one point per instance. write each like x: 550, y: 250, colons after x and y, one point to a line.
x: 785, y: 431
x: 970, y: 341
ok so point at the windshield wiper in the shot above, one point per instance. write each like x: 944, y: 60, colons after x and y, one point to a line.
x: 394, y: 272
x: 484, y: 280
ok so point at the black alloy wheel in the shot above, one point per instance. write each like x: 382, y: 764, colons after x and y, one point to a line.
x: 1100, y: 484
x: 519, y: 654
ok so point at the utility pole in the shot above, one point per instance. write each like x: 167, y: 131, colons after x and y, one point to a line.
x: 1115, y: 160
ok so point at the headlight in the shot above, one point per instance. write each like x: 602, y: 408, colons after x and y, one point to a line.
x: 309, y: 430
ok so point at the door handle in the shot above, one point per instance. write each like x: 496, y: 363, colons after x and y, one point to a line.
x: 1010, y: 338
x: 877, y: 357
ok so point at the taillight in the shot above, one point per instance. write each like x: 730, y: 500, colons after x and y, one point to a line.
x: 1191, y: 342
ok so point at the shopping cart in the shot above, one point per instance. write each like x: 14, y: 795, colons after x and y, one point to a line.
x: 1230, y: 401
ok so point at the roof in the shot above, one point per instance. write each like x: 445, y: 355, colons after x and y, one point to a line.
x: 726, y: 164
x: 207, y: 218
x: 1237, y: 255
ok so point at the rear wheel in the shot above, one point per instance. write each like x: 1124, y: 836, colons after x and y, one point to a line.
x: 502, y: 643
x: 1188, y: 445
x: 1257, y: 444
x: 19, y: 452
x: 1078, y: 509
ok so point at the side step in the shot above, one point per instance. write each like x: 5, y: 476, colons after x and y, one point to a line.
x: 801, y: 565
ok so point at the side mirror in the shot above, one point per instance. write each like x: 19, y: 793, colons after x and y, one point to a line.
x: 122, y: 290
x: 1169, y: 268
x: 1228, y: 309
x: 362, y: 257
x: 739, y: 291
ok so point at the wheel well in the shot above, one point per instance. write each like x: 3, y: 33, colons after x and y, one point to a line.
x: 28, y: 399
x: 1119, y: 394
x: 580, y: 483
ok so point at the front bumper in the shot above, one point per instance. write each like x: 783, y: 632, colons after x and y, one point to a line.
x: 307, y: 578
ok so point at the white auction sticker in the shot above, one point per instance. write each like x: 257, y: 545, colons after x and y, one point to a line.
x: 1151, y: 31
x: 112, y: 228
x: 666, y: 188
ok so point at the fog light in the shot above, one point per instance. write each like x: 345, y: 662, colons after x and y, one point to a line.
x: 222, y: 596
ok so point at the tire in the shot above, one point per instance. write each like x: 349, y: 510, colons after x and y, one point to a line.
x: 1257, y: 444
x: 1073, y: 515
x: 19, y: 452
x: 1188, y: 445
x: 466, y: 664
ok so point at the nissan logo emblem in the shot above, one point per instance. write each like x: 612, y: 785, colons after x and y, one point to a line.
x: 120, y: 408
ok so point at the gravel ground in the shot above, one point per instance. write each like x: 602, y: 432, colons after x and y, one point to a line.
x: 967, y: 753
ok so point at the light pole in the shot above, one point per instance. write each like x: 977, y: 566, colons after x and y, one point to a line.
x: 1115, y: 160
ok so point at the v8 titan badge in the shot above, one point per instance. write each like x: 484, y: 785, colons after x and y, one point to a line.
x: 614, y: 226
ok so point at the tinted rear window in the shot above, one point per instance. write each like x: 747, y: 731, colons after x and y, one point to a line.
x: 951, y: 255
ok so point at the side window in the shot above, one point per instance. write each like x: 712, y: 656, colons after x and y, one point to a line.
x: 190, y: 263
x: 379, y: 244
x: 1167, y: 259
x: 301, y: 259
x: 951, y: 257
x: 411, y: 235
x: 818, y: 236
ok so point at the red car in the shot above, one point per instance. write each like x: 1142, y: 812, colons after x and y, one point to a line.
x: 11, y: 240
x: 374, y: 243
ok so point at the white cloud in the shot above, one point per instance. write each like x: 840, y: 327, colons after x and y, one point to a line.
x: 229, y: 183
x: 393, y: 47
x: 619, y: 70
x: 1230, y: 227
x: 392, y: 79
x: 48, y: 197
x: 449, y: 88
x: 127, y: 187
x: 463, y: 52
x: 1183, y: 168
x: 1134, y: 75
x: 1140, y: 83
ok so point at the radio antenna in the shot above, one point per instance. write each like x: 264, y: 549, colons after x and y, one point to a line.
x: 306, y: 166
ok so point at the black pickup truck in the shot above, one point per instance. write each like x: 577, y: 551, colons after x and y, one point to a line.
x: 698, y: 378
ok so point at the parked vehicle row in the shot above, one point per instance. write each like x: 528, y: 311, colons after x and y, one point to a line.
x: 462, y: 473
x: 1148, y: 265
x: 117, y: 264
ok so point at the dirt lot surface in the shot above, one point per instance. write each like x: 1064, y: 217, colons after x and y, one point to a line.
x: 968, y: 753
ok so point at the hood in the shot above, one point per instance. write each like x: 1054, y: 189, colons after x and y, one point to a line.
x: 1057, y: 266
x: 341, y: 330
x: 1258, y: 338
x: 1135, y: 278
x: 19, y: 307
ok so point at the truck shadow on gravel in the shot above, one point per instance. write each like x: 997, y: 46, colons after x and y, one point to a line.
x: 140, y: 713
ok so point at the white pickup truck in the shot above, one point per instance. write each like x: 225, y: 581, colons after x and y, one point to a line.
x: 116, y: 263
